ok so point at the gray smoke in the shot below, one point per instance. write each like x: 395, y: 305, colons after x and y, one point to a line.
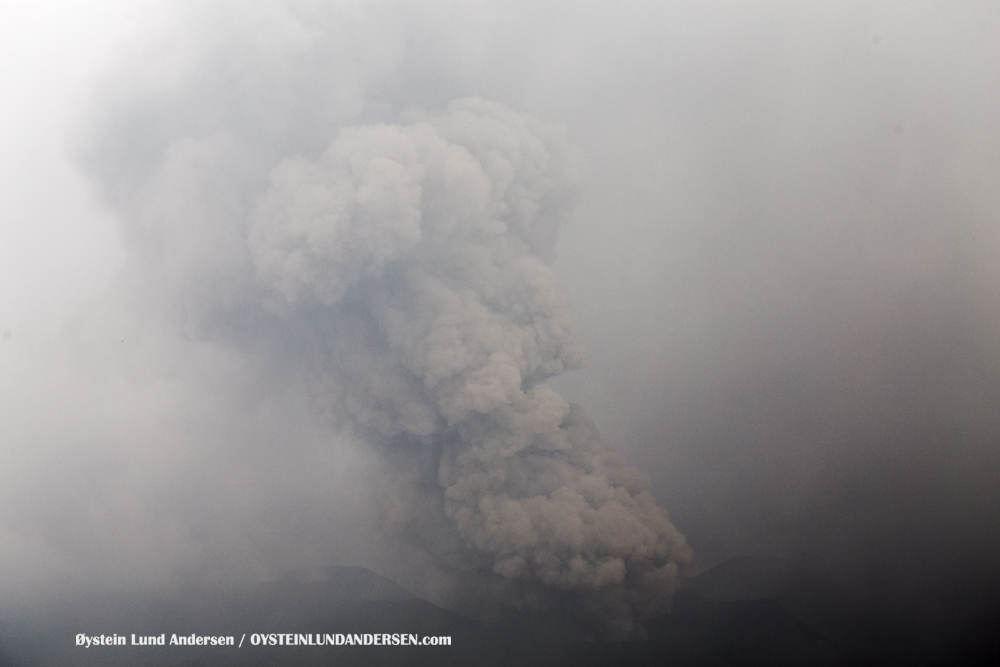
x: 416, y: 253
x: 783, y: 268
x: 402, y: 268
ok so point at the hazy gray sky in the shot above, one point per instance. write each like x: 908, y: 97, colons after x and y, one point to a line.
x: 782, y: 264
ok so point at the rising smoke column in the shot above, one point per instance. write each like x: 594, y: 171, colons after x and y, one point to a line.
x: 403, y: 271
x: 418, y: 253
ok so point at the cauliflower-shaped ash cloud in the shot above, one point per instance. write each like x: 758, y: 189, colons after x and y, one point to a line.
x: 424, y: 248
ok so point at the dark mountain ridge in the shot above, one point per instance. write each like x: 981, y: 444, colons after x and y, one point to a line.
x: 744, y: 612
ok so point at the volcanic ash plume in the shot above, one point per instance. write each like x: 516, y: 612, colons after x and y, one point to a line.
x: 405, y: 269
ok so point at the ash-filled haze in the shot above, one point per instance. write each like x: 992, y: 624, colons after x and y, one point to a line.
x: 328, y: 298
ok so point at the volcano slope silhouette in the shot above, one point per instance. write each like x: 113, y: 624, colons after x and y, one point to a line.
x: 743, y: 612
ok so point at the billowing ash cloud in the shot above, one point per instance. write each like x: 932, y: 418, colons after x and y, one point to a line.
x: 413, y: 256
x: 403, y: 268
